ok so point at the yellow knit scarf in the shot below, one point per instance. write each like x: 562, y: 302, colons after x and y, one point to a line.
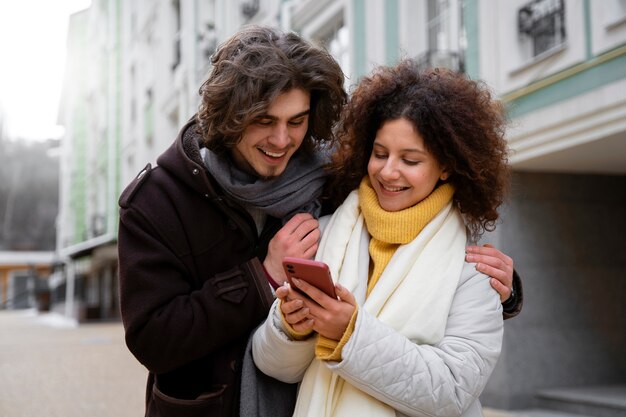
x: 389, y: 229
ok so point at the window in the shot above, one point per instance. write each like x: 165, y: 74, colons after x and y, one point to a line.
x: 133, y: 100
x: 148, y: 118
x: 249, y: 8
x: 541, y: 25
x: 438, y: 24
x: 335, y: 38
x: 445, y: 36
x: 177, y: 34
x: 615, y: 12
x: 337, y: 44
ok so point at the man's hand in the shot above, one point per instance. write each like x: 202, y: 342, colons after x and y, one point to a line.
x: 490, y: 261
x: 297, y: 238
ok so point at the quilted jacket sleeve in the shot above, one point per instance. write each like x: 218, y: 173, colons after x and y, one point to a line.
x: 429, y: 380
x: 276, y: 354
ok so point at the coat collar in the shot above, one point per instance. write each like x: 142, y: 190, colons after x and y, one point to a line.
x: 182, y: 159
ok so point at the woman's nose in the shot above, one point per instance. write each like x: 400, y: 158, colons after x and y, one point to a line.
x: 389, y: 170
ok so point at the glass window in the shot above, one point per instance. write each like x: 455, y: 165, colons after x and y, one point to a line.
x: 445, y: 36
x: 541, y: 25
x: 335, y: 38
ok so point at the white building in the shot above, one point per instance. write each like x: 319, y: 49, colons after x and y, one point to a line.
x: 91, y: 112
x: 166, y: 47
x: 560, y: 65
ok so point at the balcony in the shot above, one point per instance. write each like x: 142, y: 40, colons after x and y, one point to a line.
x: 441, y: 59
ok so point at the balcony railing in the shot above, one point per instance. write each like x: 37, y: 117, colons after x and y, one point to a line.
x: 441, y: 59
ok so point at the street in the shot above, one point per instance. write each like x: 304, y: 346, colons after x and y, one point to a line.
x: 50, y: 366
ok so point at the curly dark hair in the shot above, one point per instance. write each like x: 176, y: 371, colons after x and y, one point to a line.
x: 251, y: 69
x: 461, y: 123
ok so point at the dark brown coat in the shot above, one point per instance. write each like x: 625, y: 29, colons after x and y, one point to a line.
x: 191, y: 283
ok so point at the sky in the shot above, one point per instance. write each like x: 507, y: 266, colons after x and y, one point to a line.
x: 32, y: 59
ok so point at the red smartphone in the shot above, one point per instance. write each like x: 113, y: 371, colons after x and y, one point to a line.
x: 315, y: 273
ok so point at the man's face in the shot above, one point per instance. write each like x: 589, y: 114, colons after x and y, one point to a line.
x: 268, y: 142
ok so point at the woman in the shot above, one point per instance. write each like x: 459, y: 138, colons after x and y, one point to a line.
x: 415, y: 330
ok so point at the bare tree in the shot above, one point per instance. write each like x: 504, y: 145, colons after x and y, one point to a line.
x: 28, y: 195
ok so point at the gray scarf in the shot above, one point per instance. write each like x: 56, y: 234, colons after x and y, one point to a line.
x: 296, y: 190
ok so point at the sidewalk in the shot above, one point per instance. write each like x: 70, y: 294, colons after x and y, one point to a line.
x: 51, y: 366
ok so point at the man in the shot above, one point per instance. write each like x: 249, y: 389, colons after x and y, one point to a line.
x: 202, y: 233
x: 193, y: 230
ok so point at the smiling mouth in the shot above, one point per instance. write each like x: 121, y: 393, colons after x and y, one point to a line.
x: 272, y: 154
x: 392, y: 189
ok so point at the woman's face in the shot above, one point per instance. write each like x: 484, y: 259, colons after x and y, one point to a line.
x: 401, y: 170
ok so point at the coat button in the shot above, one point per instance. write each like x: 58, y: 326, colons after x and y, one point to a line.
x: 195, y: 171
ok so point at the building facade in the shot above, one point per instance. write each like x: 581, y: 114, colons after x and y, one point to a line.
x: 90, y: 111
x: 559, y: 65
x: 561, y: 68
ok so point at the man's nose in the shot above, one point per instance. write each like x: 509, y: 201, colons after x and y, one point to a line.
x: 280, y: 136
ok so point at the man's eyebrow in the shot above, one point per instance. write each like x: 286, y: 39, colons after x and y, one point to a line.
x: 295, y: 116
x: 302, y: 113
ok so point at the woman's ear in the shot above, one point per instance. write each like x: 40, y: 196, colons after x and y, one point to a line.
x: 445, y: 174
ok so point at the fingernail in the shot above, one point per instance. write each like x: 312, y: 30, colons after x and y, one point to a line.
x: 298, y: 303
x: 470, y: 258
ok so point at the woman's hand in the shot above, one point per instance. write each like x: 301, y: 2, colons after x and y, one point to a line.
x: 297, y: 238
x: 294, y: 310
x: 490, y: 261
x: 326, y: 315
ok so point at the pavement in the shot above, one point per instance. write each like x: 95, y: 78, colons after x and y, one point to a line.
x: 51, y: 366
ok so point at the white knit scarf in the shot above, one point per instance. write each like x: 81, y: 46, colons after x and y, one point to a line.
x: 413, y: 296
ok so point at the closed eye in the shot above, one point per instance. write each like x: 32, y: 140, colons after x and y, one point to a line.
x: 297, y: 122
x: 264, y: 122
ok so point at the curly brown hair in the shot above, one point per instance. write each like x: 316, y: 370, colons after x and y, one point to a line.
x: 251, y: 69
x: 461, y: 123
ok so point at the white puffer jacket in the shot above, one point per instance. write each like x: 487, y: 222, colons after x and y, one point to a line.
x: 444, y: 379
